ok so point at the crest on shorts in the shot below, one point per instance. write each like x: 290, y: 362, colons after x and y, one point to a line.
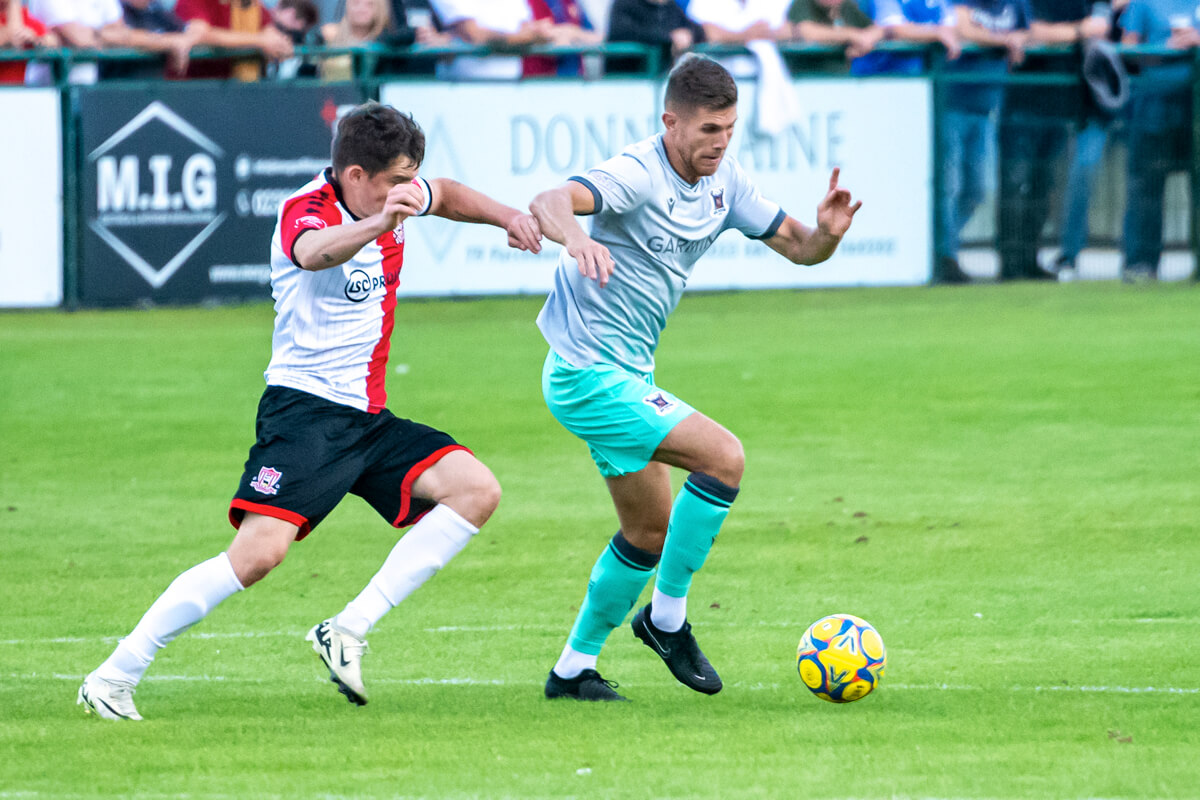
x: 662, y: 404
x: 267, y: 481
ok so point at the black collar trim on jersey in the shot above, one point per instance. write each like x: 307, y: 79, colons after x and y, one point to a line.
x: 337, y: 191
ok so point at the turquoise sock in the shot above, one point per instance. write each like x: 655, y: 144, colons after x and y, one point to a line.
x: 700, y: 508
x: 618, y: 578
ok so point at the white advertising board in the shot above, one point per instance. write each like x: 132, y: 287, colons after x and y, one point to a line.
x: 514, y: 140
x: 31, y: 223
x: 878, y: 132
x: 510, y: 141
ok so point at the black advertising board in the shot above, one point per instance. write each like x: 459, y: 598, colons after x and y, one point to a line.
x: 180, y: 185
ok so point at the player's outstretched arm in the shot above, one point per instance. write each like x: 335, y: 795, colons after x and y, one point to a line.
x: 322, y: 248
x: 555, y: 210
x: 801, y: 244
x: 460, y: 203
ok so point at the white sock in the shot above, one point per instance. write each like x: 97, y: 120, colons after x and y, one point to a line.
x: 186, y: 601
x: 572, y: 662
x: 668, y: 613
x: 419, y: 554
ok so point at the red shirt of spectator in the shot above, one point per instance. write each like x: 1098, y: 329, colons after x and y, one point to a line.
x: 14, y: 71
x: 558, y: 11
x: 218, y: 14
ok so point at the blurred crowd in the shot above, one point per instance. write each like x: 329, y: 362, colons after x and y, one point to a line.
x: 997, y: 137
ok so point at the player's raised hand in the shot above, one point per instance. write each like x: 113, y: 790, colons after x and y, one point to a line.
x: 835, y: 212
x: 524, y: 233
x: 593, y: 258
x: 404, y: 200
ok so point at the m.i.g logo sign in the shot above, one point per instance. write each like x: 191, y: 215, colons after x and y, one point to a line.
x: 156, y: 192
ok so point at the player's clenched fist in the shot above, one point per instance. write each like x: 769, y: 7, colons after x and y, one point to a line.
x: 404, y: 200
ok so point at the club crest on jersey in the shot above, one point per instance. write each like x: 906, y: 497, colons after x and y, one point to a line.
x: 267, y: 481
x: 718, y: 196
x: 309, y: 222
x: 398, y: 234
x: 661, y: 403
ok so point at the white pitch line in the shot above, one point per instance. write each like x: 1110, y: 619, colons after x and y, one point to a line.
x: 429, y: 681
x: 541, y: 629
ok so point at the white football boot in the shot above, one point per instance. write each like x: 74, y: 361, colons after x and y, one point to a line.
x: 107, y: 699
x: 341, y: 651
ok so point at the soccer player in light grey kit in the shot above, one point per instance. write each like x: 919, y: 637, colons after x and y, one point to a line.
x: 656, y: 207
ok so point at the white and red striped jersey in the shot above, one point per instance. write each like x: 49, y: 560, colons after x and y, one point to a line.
x: 333, y: 327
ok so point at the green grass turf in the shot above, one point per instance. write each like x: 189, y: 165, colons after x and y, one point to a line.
x: 1001, y: 478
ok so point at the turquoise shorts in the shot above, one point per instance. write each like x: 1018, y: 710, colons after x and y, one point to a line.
x: 623, y: 417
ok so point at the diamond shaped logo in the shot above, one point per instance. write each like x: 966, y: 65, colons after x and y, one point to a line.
x: 156, y: 192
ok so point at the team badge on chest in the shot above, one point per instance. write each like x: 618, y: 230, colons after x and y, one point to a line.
x: 718, y: 198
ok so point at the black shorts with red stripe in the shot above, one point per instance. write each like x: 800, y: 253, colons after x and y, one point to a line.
x: 312, y: 452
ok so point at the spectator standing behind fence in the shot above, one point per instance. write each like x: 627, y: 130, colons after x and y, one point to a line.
x: 919, y: 21
x: 496, y: 23
x: 19, y: 30
x: 839, y: 22
x: 1160, y: 128
x: 1090, y: 140
x: 240, y: 24
x: 1034, y: 130
x: 967, y: 125
x: 660, y: 23
x: 150, y: 18
x: 741, y: 22
x: 296, y: 19
x: 571, y: 27
x: 100, y: 24
x: 412, y: 23
x: 363, y: 22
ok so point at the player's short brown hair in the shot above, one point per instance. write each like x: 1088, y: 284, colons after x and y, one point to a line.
x: 373, y: 135
x: 697, y: 81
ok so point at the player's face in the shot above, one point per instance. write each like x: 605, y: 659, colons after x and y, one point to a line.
x: 699, y: 138
x: 368, y: 193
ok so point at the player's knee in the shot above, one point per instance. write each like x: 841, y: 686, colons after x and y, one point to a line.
x: 253, y: 564
x: 259, y: 547
x: 478, y: 495
x: 730, y: 461
x: 485, y: 494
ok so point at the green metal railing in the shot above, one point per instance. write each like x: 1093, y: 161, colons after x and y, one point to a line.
x: 369, y: 62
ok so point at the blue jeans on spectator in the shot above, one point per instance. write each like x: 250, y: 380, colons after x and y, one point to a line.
x: 968, y: 171
x: 1159, y: 139
x: 1089, y: 149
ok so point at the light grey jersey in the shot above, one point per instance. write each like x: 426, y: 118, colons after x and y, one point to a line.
x: 656, y: 226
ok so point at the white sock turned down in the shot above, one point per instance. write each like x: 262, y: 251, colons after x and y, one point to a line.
x: 416, y: 558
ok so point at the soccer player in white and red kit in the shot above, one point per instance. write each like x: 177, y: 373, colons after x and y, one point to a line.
x: 322, y: 428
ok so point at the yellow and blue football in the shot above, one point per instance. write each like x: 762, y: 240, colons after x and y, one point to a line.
x: 841, y: 658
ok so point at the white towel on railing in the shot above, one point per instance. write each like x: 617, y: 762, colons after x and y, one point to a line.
x: 777, y: 106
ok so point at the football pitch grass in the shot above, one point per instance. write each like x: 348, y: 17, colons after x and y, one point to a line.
x: 1002, y: 479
